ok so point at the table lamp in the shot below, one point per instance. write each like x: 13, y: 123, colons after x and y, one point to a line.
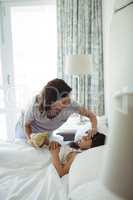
x: 79, y: 65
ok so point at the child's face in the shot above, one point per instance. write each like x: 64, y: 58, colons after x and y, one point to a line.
x: 85, y: 142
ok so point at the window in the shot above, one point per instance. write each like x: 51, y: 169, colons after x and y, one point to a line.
x: 2, y: 108
x: 30, y: 46
x: 34, y: 49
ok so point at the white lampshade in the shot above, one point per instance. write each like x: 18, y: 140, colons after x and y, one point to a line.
x: 118, y: 169
x: 78, y: 64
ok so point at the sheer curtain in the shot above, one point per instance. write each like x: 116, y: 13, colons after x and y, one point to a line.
x: 80, y: 32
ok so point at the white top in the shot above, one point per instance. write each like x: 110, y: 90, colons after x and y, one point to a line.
x: 41, y: 123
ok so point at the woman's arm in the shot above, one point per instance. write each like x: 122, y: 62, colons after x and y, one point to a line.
x: 83, y: 111
x: 62, y: 169
x: 28, y: 130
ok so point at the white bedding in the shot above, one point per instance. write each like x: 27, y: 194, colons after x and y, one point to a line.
x: 85, y: 181
x: 93, y: 190
x: 26, y: 173
x: 86, y: 167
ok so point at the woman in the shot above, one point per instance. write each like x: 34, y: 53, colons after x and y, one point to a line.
x: 50, y: 110
x: 84, y: 143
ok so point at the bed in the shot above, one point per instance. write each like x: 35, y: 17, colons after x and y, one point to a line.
x: 27, y: 173
x: 85, y: 177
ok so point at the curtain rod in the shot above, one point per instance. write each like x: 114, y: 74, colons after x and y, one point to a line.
x: 119, y: 9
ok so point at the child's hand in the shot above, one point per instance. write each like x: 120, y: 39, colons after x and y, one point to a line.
x: 55, y: 150
x: 53, y: 145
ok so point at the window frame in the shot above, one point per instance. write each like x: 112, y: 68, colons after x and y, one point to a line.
x: 6, y: 54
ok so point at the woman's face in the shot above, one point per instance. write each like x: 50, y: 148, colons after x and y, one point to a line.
x: 60, y: 104
x: 85, y: 142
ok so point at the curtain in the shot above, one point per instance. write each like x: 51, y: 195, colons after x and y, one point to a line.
x: 79, y: 27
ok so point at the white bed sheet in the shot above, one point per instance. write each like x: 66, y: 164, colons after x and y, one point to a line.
x: 26, y: 173
x: 93, y: 190
x: 86, y: 167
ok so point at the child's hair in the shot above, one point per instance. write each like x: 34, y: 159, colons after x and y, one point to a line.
x: 97, y: 140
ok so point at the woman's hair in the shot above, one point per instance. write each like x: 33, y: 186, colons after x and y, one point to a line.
x: 53, y: 91
x: 97, y: 140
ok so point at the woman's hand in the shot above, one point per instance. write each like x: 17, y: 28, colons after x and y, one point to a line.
x: 83, y: 111
x: 93, y: 132
x: 28, y: 130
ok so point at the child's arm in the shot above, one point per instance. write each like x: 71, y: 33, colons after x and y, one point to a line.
x: 67, y: 164
x: 62, y: 169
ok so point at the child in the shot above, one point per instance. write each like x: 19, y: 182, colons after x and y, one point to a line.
x: 81, y: 143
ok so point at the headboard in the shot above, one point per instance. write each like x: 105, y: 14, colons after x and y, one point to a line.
x: 120, y: 69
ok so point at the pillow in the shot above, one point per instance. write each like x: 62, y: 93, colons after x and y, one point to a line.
x: 86, y: 167
x: 102, y: 124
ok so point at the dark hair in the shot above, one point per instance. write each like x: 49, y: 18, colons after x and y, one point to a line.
x: 53, y: 91
x: 97, y: 140
x: 74, y: 145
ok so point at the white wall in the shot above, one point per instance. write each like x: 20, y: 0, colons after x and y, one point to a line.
x: 118, y: 48
x: 108, y: 6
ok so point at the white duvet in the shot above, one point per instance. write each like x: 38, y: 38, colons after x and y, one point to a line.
x: 27, y: 174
